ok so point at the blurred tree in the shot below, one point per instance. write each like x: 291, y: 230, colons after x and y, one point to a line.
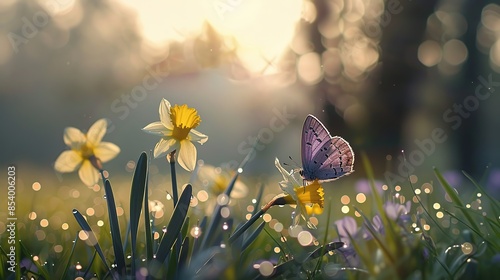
x: 471, y: 135
x: 383, y: 92
x: 73, y: 49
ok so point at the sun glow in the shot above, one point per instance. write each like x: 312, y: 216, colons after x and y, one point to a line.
x: 261, y: 29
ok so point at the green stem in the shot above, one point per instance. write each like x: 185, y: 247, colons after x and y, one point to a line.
x: 175, y: 194
x: 245, y: 226
x: 255, y: 217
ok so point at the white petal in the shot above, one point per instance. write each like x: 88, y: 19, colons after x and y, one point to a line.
x: 240, y: 190
x: 165, y: 114
x: 207, y: 172
x: 288, y: 184
x: 97, y: 131
x: 74, y: 138
x: 88, y: 174
x: 197, y: 136
x: 164, y: 146
x: 156, y: 128
x: 68, y: 161
x: 187, y: 155
x: 286, y: 175
x: 106, y: 151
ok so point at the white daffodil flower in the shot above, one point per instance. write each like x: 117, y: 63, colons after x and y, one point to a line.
x: 87, y: 152
x: 176, y: 128
x: 307, y: 197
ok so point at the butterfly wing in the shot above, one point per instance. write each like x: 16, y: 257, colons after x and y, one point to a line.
x: 323, y: 157
x: 314, y: 136
x: 334, y: 159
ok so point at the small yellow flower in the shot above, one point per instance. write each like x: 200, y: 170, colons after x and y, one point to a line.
x: 309, y: 198
x: 216, y: 180
x: 176, y: 128
x: 87, y: 152
x: 314, y: 209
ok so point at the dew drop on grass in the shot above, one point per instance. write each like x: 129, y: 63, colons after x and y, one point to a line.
x: 225, y: 226
x: 266, y: 268
x: 225, y: 212
x: 75, y: 211
x: 195, y: 232
x: 305, y: 238
x: 331, y: 269
x: 222, y: 199
x: 467, y: 248
x: 164, y: 229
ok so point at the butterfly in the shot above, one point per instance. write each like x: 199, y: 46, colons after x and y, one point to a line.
x: 324, y: 158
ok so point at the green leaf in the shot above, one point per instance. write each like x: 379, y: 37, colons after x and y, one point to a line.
x: 183, y: 256
x: 92, y: 239
x: 175, y: 225
x: 115, y: 229
x: 252, y: 236
x: 136, y: 198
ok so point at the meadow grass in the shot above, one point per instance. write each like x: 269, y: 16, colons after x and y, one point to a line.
x: 414, y: 233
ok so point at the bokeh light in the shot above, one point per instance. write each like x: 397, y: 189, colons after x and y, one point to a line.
x: 36, y: 186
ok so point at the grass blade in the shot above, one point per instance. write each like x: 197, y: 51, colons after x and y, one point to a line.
x: 208, y: 237
x: 240, y: 230
x: 325, y: 238
x: 92, y: 239
x: 115, y: 229
x: 253, y: 236
x: 197, y: 241
x: 68, y: 264
x: 494, y: 202
x: 41, y: 269
x: 175, y: 224
x: 454, y: 197
x: 396, y: 246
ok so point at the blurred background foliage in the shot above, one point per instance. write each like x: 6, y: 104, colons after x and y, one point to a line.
x: 381, y: 74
